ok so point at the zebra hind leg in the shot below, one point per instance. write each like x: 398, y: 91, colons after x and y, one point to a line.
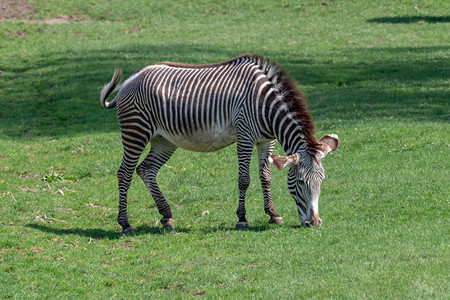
x: 161, y: 151
x: 124, y: 175
x: 264, y: 150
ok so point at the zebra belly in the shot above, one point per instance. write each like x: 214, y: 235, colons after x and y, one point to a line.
x: 204, y: 139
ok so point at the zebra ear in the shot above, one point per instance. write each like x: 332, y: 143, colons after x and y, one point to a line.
x: 281, y: 162
x: 330, y: 142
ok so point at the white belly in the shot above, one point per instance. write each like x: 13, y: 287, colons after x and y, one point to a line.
x: 204, y: 140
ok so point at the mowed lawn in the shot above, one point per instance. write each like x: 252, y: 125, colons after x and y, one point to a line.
x: 374, y: 72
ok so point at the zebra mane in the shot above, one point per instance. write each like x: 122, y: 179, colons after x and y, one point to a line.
x: 291, y: 95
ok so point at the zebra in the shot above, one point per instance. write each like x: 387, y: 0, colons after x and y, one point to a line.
x: 245, y: 100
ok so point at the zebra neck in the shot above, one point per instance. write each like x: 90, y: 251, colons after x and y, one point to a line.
x: 288, y: 130
x: 292, y: 139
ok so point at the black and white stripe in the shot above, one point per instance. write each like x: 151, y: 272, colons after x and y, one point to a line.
x: 207, y: 107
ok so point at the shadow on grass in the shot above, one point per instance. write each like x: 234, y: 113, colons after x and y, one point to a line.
x: 404, y: 83
x: 97, y: 233
x: 410, y: 19
x: 257, y: 228
x: 254, y: 228
x: 57, y: 94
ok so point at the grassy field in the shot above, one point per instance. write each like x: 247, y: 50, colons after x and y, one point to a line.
x: 374, y: 72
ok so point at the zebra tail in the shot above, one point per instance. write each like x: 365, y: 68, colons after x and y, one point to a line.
x: 110, y: 88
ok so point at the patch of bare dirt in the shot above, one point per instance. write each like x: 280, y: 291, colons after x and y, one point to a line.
x: 55, y: 20
x: 13, y: 9
x: 22, y: 10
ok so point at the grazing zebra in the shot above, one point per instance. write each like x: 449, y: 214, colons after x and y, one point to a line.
x: 204, y: 108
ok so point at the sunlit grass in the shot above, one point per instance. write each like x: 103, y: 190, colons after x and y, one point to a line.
x: 374, y: 73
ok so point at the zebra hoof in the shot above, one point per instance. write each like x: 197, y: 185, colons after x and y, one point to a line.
x: 168, y: 223
x: 129, y: 229
x: 276, y: 220
x: 242, y: 225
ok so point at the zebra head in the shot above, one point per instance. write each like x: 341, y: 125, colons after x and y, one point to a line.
x: 305, y: 177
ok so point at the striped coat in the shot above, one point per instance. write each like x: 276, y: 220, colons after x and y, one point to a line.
x: 204, y: 108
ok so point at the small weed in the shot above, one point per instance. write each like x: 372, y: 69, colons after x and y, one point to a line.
x: 56, y: 177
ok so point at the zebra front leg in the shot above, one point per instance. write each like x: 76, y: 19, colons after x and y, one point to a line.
x: 161, y: 151
x: 244, y: 150
x: 264, y: 150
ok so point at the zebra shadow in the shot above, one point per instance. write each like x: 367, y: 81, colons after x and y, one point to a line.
x: 252, y: 228
x: 410, y: 19
x: 99, y: 234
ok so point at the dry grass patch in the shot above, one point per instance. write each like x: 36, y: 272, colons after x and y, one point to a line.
x: 23, y: 10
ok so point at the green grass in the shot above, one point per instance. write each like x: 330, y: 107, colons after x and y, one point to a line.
x: 375, y: 73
